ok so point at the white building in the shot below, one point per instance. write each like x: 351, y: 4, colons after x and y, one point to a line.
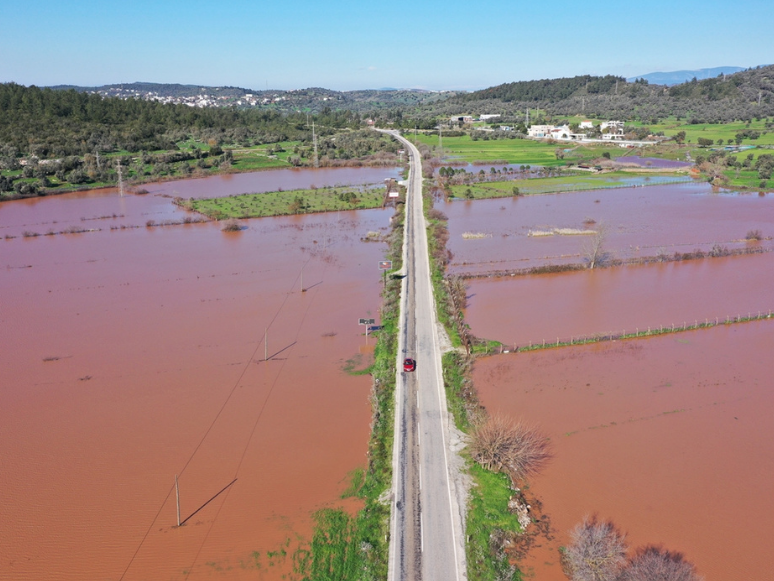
x: 539, y: 130
x: 489, y: 116
x: 612, y: 127
x: 561, y: 133
x: 586, y: 125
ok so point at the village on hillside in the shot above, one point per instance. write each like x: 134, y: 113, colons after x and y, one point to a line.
x: 586, y: 131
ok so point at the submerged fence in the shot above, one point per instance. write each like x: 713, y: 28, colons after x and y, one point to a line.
x: 715, y: 252
x: 646, y: 332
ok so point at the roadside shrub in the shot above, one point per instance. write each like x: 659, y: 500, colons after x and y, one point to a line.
x: 657, y: 564
x: 501, y: 445
x: 597, y: 552
x: 435, y: 214
x: 754, y: 235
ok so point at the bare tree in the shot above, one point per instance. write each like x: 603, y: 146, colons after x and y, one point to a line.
x: 501, y: 445
x: 657, y: 564
x: 593, y: 250
x: 597, y: 552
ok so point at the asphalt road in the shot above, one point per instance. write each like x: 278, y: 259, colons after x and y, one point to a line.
x: 426, y: 527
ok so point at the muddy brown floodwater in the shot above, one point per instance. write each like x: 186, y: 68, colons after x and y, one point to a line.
x: 669, y: 437
x: 641, y: 221
x: 130, y: 356
x: 272, y: 180
x: 530, y: 309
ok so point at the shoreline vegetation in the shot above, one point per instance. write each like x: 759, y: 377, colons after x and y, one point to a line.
x: 716, y: 252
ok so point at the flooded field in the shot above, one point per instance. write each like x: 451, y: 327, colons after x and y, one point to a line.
x: 669, y: 437
x: 272, y: 181
x: 641, y: 221
x: 131, y: 356
x: 654, y: 162
x: 529, y: 309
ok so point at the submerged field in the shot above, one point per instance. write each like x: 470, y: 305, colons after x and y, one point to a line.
x: 668, y: 437
x: 136, y: 354
x: 638, y: 222
x: 651, y: 433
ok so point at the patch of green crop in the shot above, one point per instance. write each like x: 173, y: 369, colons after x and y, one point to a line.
x: 289, y: 202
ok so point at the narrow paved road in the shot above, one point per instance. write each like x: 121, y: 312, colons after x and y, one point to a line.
x: 426, y: 527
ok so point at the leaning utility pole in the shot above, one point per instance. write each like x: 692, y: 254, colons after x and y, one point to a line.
x: 177, y: 498
x: 440, y: 139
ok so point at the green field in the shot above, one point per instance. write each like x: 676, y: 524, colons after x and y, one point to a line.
x: 517, y: 151
x: 574, y: 183
x: 714, y: 131
x: 287, y: 203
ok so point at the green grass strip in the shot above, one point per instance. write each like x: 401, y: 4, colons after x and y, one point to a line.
x: 287, y: 202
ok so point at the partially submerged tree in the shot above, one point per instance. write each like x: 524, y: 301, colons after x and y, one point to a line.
x: 593, y: 250
x: 597, y: 552
x: 657, y: 564
x: 501, y: 445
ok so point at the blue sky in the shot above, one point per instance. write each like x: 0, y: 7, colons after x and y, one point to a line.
x: 344, y: 45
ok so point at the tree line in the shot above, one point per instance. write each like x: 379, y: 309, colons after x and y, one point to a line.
x: 50, y: 123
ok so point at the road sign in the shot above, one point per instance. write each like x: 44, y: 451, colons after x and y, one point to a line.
x: 385, y: 264
x: 366, y: 321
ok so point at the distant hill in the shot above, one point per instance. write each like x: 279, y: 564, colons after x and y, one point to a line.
x: 313, y: 99
x: 677, y: 77
x: 746, y: 94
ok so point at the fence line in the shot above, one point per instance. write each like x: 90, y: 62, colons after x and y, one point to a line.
x: 648, y: 332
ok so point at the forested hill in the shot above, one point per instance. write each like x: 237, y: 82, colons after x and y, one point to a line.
x: 744, y: 95
x: 49, y: 123
x: 546, y: 89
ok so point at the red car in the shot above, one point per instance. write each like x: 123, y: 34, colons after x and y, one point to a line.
x: 409, y: 365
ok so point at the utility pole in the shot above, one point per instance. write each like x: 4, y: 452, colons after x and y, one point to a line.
x: 527, y: 123
x: 440, y: 139
x: 120, y: 177
x: 303, y: 290
x: 266, y: 344
x: 177, y: 498
x: 96, y: 154
x: 314, y: 139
